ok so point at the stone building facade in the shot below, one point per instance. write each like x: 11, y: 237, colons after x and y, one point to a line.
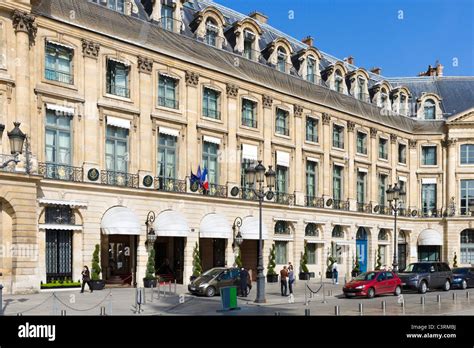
x: 122, y: 100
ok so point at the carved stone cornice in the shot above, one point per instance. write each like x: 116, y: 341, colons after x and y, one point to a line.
x: 326, y: 118
x: 145, y: 65
x: 267, y: 101
x: 449, y: 142
x: 25, y: 22
x: 191, y: 78
x: 298, y: 110
x: 350, y: 126
x: 232, y: 90
x: 373, y: 132
x: 393, y: 138
x: 412, y: 144
x: 90, y: 49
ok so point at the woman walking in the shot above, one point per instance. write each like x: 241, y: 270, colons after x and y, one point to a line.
x: 86, y: 278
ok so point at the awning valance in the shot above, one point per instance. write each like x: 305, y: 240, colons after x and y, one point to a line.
x: 212, y: 140
x: 283, y: 158
x: 285, y: 219
x: 215, y: 226
x: 118, y: 122
x: 60, y: 44
x: 344, y: 242
x: 169, y: 131
x: 312, y: 159
x: 428, y: 181
x: 65, y: 110
x: 119, y: 61
x: 314, y: 241
x: 283, y: 238
x: 430, y: 237
x: 72, y: 204
x: 250, y: 228
x: 170, y: 223
x: 249, y: 152
x: 60, y: 227
x: 120, y: 220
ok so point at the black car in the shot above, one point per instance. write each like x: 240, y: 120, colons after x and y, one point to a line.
x: 463, y: 277
x: 422, y: 276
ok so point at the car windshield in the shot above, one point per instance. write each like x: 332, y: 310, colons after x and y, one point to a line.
x: 366, y: 276
x: 461, y: 270
x: 417, y: 268
x: 213, y: 272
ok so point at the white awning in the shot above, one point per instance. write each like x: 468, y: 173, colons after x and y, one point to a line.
x: 315, y: 241
x: 169, y: 131
x: 119, y: 61
x: 120, y: 220
x: 283, y: 158
x: 170, y: 223
x: 430, y: 237
x: 384, y: 242
x: 283, y: 238
x: 212, y: 140
x: 69, y: 111
x: 212, y: 88
x: 402, y: 178
x: 60, y: 227
x: 428, y: 181
x: 249, y: 152
x: 215, y: 226
x: 168, y: 75
x: 362, y: 170
x: 118, y: 122
x: 72, y: 204
x: 312, y: 159
x: 60, y: 44
x: 339, y: 164
x: 285, y: 219
x: 250, y: 228
x: 344, y: 242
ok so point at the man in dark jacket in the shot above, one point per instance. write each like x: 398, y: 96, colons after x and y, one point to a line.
x: 283, y: 281
x: 244, y: 280
x: 86, y: 278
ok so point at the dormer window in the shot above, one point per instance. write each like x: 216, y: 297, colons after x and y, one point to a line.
x: 167, y: 21
x: 429, y: 109
x: 249, y: 38
x: 117, y: 5
x: 384, y: 100
x: 361, y: 93
x: 403, y: 104
x: 311, y: 70
x: 281, y: 59
x: 338, y: 80
x: 212, y: 31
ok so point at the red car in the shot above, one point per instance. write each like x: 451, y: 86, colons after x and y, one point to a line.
x: 373, y: 283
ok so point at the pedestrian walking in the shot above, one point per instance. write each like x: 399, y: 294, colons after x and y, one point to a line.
x: 291, y: 278
x: 244, y: 281
x: 335, y: 273
x: 86, y: 278
x: 283, y: 281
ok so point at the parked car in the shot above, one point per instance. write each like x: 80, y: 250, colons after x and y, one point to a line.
x: 211, y: 281
x: 373, y: 283
x: 463, y: 277
x: 422, y: 276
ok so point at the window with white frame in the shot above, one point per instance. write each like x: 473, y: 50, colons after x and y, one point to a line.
x: 429, y: 109
x: 467, y: 154
x: 168, y: 92
x: 59, y: 63
x: 281, y: 252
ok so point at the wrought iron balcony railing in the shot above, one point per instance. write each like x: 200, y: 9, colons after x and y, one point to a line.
x: 168, y: 102
x: 383, y: 210
x: 364, y: 208
x: 63, y: 77
x: 58, y: 171
x: 249, y: 122
x: 118, y: 91
x: 248, y: 194
x: 215, y: 191
x: 313, y: 201
x: 170, y: 185
x: 108, y: 177
x: 284, y: 198
x: 340, y: 205
x: 211, y: 113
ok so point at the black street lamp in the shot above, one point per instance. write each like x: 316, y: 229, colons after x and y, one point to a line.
x: 255, y: 177
x: 395, y: 197
x: 238, y: 239
x: 150, y: 231
x: 17, y: 139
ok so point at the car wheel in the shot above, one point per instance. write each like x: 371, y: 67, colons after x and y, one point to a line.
x: 371, y: 293
x: 210, y: 291
x: 464, y: 284
x: 398, y: 291
x: 423, y: 287
x: 447, y: 285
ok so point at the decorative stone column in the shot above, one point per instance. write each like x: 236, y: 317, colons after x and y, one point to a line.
x: 351, y: 185
x: 233, y: 149
x: 267, y: 123
x: 394, y: 157
x: 192, y: 116
x: 412, y: 197
x: 326, y: 142
x: 452, y: 159
x: 373, y: 182
x: 298, y: 167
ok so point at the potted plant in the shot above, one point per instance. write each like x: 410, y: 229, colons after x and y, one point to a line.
x: 96, y: 282
x: 330, y: 261
x: 272, y: 276
x: 150, y: 278
x: 197, y: 268
x: 238, y: 259
x: 356, y: 270
x: 379, y: 260
x: 304, y: 271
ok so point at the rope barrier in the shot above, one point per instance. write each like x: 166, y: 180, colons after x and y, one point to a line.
x: 83, y: 310
x: 36, y: 306
x: 312, y: 291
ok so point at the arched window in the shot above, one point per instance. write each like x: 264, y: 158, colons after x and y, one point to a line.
x: 361, y: 86
x: 311, y: 230
x: 361, y: 234
x: 281, y: 59
x: 429, y: 109
x: 337, y: 232
x: 212, y: 31
x: 311, y: 69
x: 338, y: 80
x: 249, y: 38
x: 383, y: 235
x: 402, y: 239
x: 467, y: 246
x: 282, y: 227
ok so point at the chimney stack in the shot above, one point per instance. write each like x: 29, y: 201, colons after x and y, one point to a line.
x: 308, y: 40
x: 376, y: 70
x: 259, y: 17
x: 436, y: 71
x: 349, y: 60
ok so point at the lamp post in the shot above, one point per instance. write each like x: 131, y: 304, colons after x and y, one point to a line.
x: 17, y: 139
x: 150, y: 231
x: 238, y: 240
x: 255, y: 177
x: 395, y: 197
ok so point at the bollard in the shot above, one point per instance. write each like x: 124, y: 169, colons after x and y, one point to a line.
x: 1, y: 299
x: 402, y: 304
x: 454, y: 296
x: 336, y: 311
x: 307, y: 312
x: 63, y: 312
x: 384, y: 305
x: 361, y: 309
x: 438, y: 299
x: 277, y: 314
x: 467, y: 295
x: 169, y: 283
x: 422, y: 300
x: 102, y: 310
x: 175, y: 286
x: 159, y: 289
x: 152, y: 291
x: 19, y: 314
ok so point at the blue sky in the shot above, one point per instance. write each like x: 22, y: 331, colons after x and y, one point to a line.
x: 372, y: 32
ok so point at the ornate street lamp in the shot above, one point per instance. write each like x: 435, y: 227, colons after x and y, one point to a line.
x: 17, y: 139
x: 238, y: 239
x: 255, y: 177
x: 150, y: 231
x: 395, y: 197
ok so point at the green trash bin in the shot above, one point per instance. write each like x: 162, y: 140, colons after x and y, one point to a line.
x: 229, y: 299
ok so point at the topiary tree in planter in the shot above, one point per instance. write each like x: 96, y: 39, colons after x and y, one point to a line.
x: 197, y: 268
x: 96, y: 282
x: 238, y: 259
x: 150, y: 278
x: 272, y: 276
x: 304, y: 271
x: 379, y: 260
x: 331, y: 259
x: 356, y: 269
x: 455, y: 260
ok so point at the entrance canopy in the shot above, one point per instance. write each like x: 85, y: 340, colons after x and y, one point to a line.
x: 170, y: 223
x: 215, y: 226
x: 120, y: 220
x: 250, y: 228
x: 430, y: 237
